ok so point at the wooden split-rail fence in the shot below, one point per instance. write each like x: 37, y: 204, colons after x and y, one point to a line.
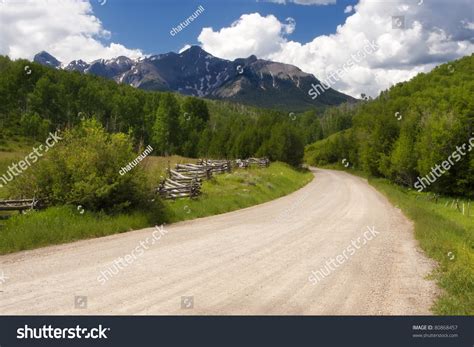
x: 186, y: 179
x: 262, y: 162
x: 19, y: 205
x: 216, y: 166
x: 179, y: 185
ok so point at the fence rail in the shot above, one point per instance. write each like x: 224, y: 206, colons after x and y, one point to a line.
x: 185, y: 180
x: 19, y: 205
x: 216, y: 166
x: 262, y: 162
x: 170, y: 189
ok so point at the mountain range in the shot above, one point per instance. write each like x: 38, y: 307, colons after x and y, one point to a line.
x: 195, y: 72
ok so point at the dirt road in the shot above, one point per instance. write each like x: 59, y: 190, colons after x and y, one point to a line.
x: 257, y: 260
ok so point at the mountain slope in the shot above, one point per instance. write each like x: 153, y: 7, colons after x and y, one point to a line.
x: 195, y: 72
x: 271, y: 84
x: 419, y: 133
x: 46, y: 59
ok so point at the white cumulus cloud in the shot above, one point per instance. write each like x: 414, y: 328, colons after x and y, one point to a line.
x: 250, y: 34
x: 67, y: 29
x: 434, y: 32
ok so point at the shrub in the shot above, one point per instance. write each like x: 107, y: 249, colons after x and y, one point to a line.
x: 83, y: 169
x: 32, y: 125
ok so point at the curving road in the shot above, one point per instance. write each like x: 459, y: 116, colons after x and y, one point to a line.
x: 259, y: 260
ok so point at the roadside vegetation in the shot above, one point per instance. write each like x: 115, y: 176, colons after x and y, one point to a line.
x: 239, y: 189
x: 411, y: 128
x: 87, y: 197
x: 105, y: 125
x: 156, y: 167
x: 224, y: 193
x: 62, y: 224
x: 6, y: 158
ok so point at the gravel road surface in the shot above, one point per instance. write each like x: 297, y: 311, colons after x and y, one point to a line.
x: 258, y: 260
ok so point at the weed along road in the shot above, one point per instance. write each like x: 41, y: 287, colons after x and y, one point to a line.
x: 335, y: 247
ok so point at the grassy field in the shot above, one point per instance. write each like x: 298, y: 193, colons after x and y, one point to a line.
x: 242, y: 188
x: 446, y: 234
x: 226, y: 192
x: 15, y: 143
x: 6, y: 159
x: 63, y: 224
x: 12, y: 149
x: 156, y: 166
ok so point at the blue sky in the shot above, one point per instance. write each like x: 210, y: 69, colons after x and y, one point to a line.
x: 406, y: 36
x: 145, y: 24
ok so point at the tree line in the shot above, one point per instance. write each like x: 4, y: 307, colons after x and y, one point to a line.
x: 38, y: 99
x: 410, y: 129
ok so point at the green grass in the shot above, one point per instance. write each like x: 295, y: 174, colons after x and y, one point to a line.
x: 13, y: 148
x: 156, y: 166
x: 15, y: 143
x: 242, y: 188
x: 62, y: 224
x: 226, y: 192
x: 6, y: 159
x: 446, y: 235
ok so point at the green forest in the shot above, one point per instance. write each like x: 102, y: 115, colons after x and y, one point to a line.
x: 410, y: 129
x: 401, y: 135
x: 37, y: 99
